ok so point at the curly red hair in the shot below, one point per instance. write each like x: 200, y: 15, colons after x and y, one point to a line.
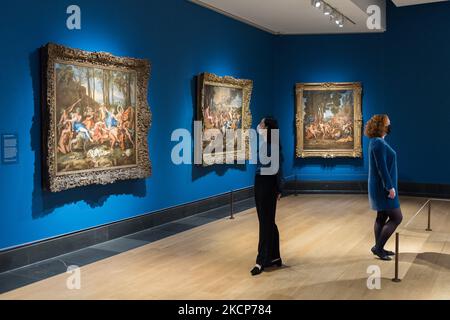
x: 376, y: 126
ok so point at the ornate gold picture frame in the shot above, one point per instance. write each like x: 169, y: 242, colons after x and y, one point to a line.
x: 329, y: 120
x: 223, y: 103
x: 96, y: 118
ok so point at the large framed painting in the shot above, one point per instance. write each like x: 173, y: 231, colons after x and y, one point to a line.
x: 223, y: 107
x: 96, y: 118
x: 329, y: 120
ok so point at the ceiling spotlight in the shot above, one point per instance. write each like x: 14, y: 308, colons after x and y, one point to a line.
x: 327, y: 10
x: 317, y: 3
x: 339, y: 20
x: 334, y: 15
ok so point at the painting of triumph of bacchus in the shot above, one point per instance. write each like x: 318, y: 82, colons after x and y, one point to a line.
x: 95, y: 109
x: 224, y: 109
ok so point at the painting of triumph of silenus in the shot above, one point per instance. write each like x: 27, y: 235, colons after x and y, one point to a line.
x: 99, y: 118
x: 329, y: 120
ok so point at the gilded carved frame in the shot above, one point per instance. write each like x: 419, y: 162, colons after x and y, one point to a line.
x: 300, y: 115
x: 52, y: 54
x: 227, y: 81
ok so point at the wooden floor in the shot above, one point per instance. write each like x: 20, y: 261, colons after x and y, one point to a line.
x: 325, y: 244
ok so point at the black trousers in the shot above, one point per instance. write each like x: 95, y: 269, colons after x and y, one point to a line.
x: 266, y: 206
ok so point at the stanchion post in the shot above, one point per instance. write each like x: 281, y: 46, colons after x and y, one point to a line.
x: 397, y: 253
x: 231, y: 205
x: 429, y: 216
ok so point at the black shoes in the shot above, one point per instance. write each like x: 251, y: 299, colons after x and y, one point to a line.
x: 256, y: 270
x: 277, y: 263
x: 259, y: 269
x: 381, y: 254
x: 389, y: 253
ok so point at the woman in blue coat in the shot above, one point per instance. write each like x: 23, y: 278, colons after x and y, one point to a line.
x: 383, y: 184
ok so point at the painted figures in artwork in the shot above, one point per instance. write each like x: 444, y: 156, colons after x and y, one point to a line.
x: 223, y: 110
x: 329, y: 120
x: 96, y: 124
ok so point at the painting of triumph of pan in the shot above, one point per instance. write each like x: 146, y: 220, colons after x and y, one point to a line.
x: 329, y: 120
x: 95, y: 110
x: 224, y: 107
x: 99, y: 118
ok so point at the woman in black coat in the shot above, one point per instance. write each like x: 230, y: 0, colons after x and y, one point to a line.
x: 268, y: 189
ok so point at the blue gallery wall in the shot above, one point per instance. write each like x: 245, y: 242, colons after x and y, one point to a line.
x: 344, y: 58
x: 405, y: 72
x: 181, y: 40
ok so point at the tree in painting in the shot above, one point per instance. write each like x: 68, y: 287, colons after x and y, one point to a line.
x: 95, y: 111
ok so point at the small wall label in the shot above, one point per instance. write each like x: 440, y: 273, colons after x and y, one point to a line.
x: 10, y: 148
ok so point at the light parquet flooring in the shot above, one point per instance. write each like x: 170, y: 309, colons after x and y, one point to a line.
x: 325, y: 244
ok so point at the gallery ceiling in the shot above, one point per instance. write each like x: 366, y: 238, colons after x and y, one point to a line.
x: 299, y: 16
x: 401, y: 3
